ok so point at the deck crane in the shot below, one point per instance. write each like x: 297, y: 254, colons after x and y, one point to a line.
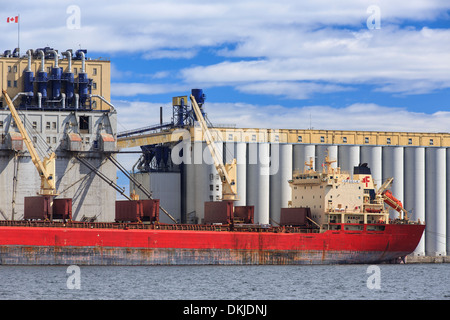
x: 45, y: 168
x: 227, y: 172
x: 389, y: 198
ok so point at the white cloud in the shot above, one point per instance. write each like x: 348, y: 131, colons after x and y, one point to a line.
x: 291, y: 90
x: 126, y: 89
x: 290, y: 40
x: 171, y: 54
x: 140, y: 25
x: 138, y: 114
x: 388, y: 59
x: 358, y: 116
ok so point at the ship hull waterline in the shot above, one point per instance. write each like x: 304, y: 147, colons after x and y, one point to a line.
x: 91, y: 246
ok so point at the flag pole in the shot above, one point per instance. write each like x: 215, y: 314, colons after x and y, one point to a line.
x: 18, y: 33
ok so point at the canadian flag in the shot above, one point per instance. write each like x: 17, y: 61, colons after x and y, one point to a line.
x: 12, y: 19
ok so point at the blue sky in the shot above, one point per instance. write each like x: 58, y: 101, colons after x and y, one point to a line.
x: 261, y: 63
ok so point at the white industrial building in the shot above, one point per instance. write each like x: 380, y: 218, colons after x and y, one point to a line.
x: 420, y: 177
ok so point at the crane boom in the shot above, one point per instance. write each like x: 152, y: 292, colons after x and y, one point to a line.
x: 227, y: 172
x: 46, y: 168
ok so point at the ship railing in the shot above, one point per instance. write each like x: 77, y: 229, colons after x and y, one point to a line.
x: 158, y: 226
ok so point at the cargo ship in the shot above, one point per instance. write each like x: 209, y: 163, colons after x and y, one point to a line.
x: 348, y: 223
x: 334, y: 217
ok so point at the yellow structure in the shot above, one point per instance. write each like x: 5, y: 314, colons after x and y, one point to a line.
x: 46, y: 168
x: 300, y: 136
x: 99, y: 70
x: 226, y: 172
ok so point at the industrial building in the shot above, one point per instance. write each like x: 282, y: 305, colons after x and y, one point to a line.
x: 63, y: 98
x: 177, y: 167
x: 63, y: 101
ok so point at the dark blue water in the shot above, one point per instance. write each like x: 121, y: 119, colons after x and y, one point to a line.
x: 406, y: 282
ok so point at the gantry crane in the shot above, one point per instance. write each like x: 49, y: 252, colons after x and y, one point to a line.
x: 227, y: 172
x: 45, y: 168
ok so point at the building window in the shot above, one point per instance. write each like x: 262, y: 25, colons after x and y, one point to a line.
x: 15, y: 83
x: 9, y: 69
x: 253, y: 137
x: 84, y: 124
x: 75, y: 70
x: 47, y: 125
x: 54, y: 140
x: 94, y: 85
x: 34, y: 125
x: 9, y: 83
x: 15, y: 69
x: 211, y: 187
x: 344, y: 139
x: 299, y: 139
x: 94, y: 71
x: 48, y: 140
x: 54, y: 125
x: 322, y: 139
x: 366, y: 140
x: 388, y: 141
x: 230, y: 136
x: 431, y: 142
x: 409, y: 141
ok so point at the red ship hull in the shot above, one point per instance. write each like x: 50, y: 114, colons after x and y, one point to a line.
x: 25, y: 245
